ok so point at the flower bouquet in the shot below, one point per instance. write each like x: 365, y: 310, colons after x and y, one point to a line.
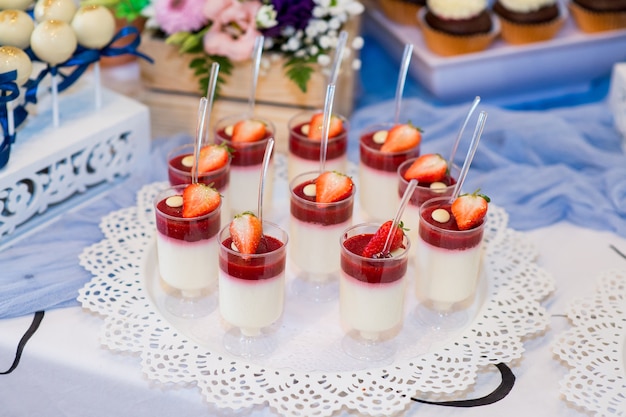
x: 300, y: 36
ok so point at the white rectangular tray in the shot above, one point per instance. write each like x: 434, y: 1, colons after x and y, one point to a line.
x: 570, y: 60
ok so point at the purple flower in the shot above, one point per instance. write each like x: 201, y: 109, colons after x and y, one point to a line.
x: 294, y: 13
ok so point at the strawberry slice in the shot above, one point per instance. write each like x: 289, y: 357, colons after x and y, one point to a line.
x: 246, y: 231
x: 332, y: 186
x: 402, y: 137
x: 248, y: 130
x: 375, y: 246
x: 427, y: 168
x: 316, y: 125
x: 199, y: 199
x: 212, y: 157
x: 469, y: 210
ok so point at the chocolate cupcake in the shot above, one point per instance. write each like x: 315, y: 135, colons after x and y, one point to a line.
x: 527, y: 21
x: 402, y: 11
x: 454, y: 27
x: 599, y: 15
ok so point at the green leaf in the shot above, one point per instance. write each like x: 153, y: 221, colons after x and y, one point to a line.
x: 299, y: 71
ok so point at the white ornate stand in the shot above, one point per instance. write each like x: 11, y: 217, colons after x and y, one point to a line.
x: 595, y: 348
x: 48, y: 166
x: 308, y: 374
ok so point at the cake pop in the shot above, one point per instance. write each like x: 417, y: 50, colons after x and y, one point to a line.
x: 54, y: 42
x: 94, y: 26
x: 15, y: 4
x: 62, y: 10
x: 16, y: 27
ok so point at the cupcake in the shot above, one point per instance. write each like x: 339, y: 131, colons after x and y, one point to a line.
x: 454, y: 27
x: 527, y: 21
x: 599, y: 15
x: 402, y: 11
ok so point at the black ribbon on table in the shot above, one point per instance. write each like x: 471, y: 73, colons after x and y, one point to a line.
x: 506, y: 385
x: 37, y: 318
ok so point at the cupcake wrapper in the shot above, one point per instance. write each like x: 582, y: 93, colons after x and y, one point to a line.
x: 446, y: 44
x: 400, y: 11
x: 519, y: 34
x: 591, y: 22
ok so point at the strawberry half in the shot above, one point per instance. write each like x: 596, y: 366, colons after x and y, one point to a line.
x: 249, y: 130
x: 375, y: 246
x: 332, y: 186
x: 427, y: 168
x: 246, y: 231
x: 199, y: 199
x: 317, y: 123
x: 469, y: 210
x: 401, y: 138
x: 212, y: 157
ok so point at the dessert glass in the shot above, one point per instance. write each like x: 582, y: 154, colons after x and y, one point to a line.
x: 187, y: 256
x: 421, y: 194
x: 313, y: 227
x: 378, y: 183
x: 246, y: 166
x: 448, y: 267
x: 371, y: 295
x: 179, y: 164
x: 304, y: 153
x: 252, y: 291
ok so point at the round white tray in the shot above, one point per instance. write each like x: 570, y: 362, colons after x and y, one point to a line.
x: 308, y: 374
x: 595, y: 348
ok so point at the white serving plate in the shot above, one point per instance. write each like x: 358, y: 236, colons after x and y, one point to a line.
x: 568, y: 62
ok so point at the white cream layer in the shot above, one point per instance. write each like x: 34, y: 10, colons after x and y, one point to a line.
x: 378, y: 193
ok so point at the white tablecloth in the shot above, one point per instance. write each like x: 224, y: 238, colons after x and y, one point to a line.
x: 65, y: 372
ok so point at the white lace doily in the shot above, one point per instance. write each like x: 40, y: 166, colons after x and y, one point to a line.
x: 595, y: 348
x: 308, y: 374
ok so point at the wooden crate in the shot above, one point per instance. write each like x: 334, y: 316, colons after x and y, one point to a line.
x: 171, y: 90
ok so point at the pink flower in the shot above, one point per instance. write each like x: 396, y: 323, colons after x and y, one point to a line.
x: 233, y: 29
x: 180, y: 15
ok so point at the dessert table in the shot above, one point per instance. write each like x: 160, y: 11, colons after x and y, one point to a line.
x: 567, y: 199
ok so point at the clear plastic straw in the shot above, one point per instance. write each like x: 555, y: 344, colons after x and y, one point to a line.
x: 404, y: 67
x: 256, y: 64
x: 341, y: 44
x: 266, y: 162
x: 478, y: 131
x: 460, y: 134
x: 215, y: 69
x: 328, y: 111
x: 199, y: 137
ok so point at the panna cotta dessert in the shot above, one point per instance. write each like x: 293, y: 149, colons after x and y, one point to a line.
x: 305, y: 139
x: 382, y: 149
x: 247, y: 138
x: 321, y: 207
x: 187, y: 224
x: 434, y: 179
x: 449, y: 250
x: 252, y: 259
x: 372, y: 285
x: 213, y: 170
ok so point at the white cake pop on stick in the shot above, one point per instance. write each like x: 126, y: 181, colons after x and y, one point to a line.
x: 15, y: 4
x: 54, y: 42
x: 14, y: 59
x: 16, y: 26
x: 94, y: 26
x: 62, y: 10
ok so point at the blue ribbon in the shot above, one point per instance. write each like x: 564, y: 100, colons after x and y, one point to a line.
x: 83, y: 58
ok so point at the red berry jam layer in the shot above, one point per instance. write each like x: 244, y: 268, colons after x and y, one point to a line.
x: 305, y: 148
x: 372, y: 157
x: 370, y: 271
x: 254, y: 268
x: 181, y: 174
x: 457, y: 239
x: 322, y: 213
x: 244, y: 153
x: 189, y: 230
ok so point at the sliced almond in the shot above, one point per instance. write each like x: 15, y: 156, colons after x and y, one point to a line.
x: 187, y: 161
x: 310, y: 190
x: 229, y: 130
x: 305, y: 129
x: 380, y: 136
x: 440, y: 215
x: 438, y: 187
x: 234, y: 247
x: 174, y: 201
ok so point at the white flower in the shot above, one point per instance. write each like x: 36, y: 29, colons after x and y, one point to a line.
x: 356, y: 64
x: 325, y: 42
x: 323, y: 60
x: 357, y: 43
x: 266, y: 17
